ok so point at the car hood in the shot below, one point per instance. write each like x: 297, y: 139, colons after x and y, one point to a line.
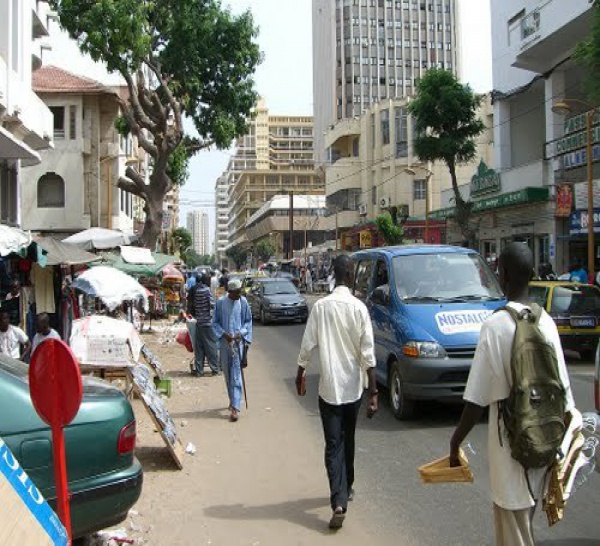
x: 289, y: 299
x: 450, y: 324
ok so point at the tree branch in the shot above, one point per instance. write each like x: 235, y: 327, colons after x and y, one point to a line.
x: 138, y: 112
x: 130, y: 186
x: 133, y: 182
x: 146, y: 144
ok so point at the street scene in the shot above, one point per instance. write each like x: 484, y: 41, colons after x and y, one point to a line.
x: 299, y: 272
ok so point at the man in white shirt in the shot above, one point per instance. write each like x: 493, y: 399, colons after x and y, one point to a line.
x: 12, y: 337
x: 43, y: 330
x: 340, y: 326
x: 489, y: 382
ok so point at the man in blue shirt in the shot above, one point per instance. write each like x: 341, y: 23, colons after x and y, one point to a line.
x: 232, y: 324
x: 206, y: 342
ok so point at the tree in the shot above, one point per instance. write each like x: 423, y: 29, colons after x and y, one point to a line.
x: 192, y: 258
x: 237, y: 255
x: 264, y: 249
x: 182, y: 239
x: 445, y: 116
x: 391, y: 232
x: 179, y: 58
x: 588, y: 54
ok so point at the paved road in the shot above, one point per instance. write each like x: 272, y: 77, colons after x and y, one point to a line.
x: 399, y: 508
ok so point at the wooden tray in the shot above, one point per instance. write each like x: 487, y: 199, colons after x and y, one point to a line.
x: 440, y: 471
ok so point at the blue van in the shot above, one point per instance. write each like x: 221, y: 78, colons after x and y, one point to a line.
x: 427, y: 304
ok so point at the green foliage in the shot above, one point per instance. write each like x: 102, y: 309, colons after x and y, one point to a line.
x: 445, y: 116
x: 192, y: 258
x: 122, y: 126
x: 237, y: 255
x: 182, y: 238
x: 392, y: 233
x: 264, y: 249
x: 177, y: 165
x: 587, y: 54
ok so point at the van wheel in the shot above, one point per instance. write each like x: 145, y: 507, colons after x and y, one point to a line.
x: 263, y: 317
x: 402, y: 407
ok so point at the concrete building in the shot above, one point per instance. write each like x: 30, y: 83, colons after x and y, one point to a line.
x: 532, y: 43
x: 25, y: 121
x: 221, y: 218
x: 75, y: 185
x: 276, y: 156
x: 198, y: 226
x: 373, y: 168
x: 365, y: 51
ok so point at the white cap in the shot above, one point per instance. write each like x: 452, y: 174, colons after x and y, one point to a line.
x: 234, y: 284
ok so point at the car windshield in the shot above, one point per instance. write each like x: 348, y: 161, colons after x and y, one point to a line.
x: 444, y: 277
x: 279, y: 287
x: 575, y: 300
x: 16, y: 368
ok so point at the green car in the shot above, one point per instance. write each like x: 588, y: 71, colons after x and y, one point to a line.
x: 105, y: 479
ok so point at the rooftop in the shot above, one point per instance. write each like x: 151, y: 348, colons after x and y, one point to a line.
x: 51, y: 79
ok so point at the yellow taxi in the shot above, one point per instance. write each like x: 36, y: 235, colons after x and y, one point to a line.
x: 575, y: 309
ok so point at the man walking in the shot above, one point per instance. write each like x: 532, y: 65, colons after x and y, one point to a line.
x: 490, y: 381
x: 232, y: 324
x: 12, y: 337
x: 340, y: 326
x: 206, y: 340
x: 44, y: 331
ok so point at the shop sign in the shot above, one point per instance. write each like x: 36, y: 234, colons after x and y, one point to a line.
x: 485, y: 181
x: 564, y: 200
x: 578, y: 222
x: 580, y: 191
x: 365, y: 239
x: 572, y: 160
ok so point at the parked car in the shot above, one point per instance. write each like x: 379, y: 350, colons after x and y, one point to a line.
x: 575, y: 309
x: 288, y: 276
x: 275, y: 300
x: 105, y: 479
x: 427, y: 304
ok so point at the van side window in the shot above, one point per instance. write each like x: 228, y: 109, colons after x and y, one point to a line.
x: 382, y: 277
x: 362, y: 282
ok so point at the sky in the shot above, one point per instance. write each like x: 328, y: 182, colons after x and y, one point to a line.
x: 285, y: 76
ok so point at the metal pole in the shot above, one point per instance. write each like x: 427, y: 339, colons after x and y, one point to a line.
x: 590, y: 182
x: 291, y: 247
x: 336, y: 228
x: 427, y: 206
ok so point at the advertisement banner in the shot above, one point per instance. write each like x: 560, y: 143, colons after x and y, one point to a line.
x: 581, y: 195
x: 564, y: 200
x: 578, y: 222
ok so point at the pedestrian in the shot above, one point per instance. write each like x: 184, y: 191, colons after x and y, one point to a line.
x: 340, y: 327
x: 577, y: 273
x: 12, y: 303
x: 206, y: 341
x: 12, y: 338
x: 546, y: 273
x: 43, y: 330
x: 309, y: 281
x: 224, y: 279
x: 214, y: 284
x: 232, y: 324
x: 514, y: 490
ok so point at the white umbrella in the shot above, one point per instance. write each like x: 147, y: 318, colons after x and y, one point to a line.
x: 99, y: 238
x: 13, y: 240
x: 112, y: 286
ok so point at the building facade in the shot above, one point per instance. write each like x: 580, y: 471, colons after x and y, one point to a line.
x: 75, y: 185
x: 532, y: 45
x: 373, y: 168
x: 365, y: 51
x: 25, y: 121
x: 221, y: 218
x: 275, y: 157
x: 198, y: 226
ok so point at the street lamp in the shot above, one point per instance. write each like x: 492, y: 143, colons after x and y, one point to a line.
x: 563, y: 107
x: 428, y: 174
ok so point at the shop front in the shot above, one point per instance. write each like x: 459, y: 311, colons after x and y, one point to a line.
x: 578, y: 237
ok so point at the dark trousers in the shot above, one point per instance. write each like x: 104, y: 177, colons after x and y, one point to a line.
x: 339, y: 426
x: 206, y: 346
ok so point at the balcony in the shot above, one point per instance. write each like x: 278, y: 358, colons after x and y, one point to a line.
x: 547, y: 34
x: 343, y: 128
x: 344, y: 174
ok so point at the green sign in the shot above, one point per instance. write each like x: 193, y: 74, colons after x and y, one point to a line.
x: 576, y: 134
x: 485, y: 181
x: 519, y: 197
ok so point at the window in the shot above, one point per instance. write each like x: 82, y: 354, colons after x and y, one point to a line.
x: 419, y: 190
x: 401, y: 129
x: 385, y: 127
x: 381, y: 274
x: 373, y: 131
x: 59, y: 121
x: 50, y: 191
x: 72, y: 122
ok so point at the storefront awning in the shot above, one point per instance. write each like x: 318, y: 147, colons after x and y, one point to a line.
x: 503, y: 200
x: 58, y: 253
x: 12, y: 148
x: 138, y: 270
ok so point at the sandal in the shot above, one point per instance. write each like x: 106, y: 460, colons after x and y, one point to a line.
x: 337, y: 519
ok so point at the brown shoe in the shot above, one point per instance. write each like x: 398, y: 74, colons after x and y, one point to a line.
x: 337, y: 519
x: 234, y: 416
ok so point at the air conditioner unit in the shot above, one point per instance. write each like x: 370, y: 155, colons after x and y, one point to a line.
x: 384, y: 203
x: 362, y: 210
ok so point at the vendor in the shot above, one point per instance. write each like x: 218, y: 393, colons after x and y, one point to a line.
x: 12, y: 338
x: 12, y: 303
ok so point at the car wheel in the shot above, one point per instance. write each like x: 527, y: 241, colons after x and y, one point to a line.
x: 263, y: 317
x: 402, y: 407
x: 303, y: 320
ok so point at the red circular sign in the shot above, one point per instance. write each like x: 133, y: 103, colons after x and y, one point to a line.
x: 55, y: 382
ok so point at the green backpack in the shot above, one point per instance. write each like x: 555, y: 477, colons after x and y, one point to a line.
x: 534, y: 411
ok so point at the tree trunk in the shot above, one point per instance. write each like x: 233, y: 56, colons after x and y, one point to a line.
x: 154, y: 219
x: 463, y: 209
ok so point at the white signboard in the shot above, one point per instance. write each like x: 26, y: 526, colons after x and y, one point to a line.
x: 581, y: 195
x: 460, y: 322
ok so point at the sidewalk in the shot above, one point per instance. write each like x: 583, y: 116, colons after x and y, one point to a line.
x: 260, y: 481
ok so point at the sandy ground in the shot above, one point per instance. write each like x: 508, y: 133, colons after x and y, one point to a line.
x: 259, y: 481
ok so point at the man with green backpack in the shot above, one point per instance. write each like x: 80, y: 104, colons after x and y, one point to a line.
x: 519, y: 372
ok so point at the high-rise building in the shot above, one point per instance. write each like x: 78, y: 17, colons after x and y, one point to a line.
x: 368, y: 50
x: 221, y: 217
x: 197, y: 225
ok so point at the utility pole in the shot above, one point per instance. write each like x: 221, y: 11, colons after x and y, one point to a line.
x: 291, y: 247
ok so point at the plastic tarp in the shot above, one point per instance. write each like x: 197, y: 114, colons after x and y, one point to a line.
x: 112, y: 286
x: 139, y: 270
x: 99, y: 238
x: 172, y: 272
x: 137, y: 255
x: 100, y: 340
x: 13, y: 240
x: 59, y: 253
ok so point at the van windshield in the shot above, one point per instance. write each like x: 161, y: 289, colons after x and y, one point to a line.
x: 447, y: 277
